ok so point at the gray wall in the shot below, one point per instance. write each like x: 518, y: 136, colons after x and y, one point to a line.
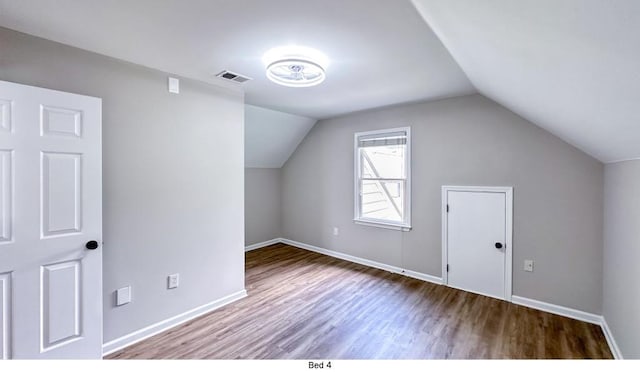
x: 263, y: 205
x: 173, y: 192
x: 622, y: 255
x: 470, y: 140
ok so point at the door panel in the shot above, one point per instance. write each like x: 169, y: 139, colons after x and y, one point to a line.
x: 476, y: 222
x: 51, y: 205
x: 5, y: 115
x: 5, y: 315
x: 61, y: 122
x: 6, y: 195
x: 61, y: 303
x: 62, y: 193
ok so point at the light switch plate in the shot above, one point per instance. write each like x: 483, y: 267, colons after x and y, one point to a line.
x: 174, y: 85
x: 123, y: 296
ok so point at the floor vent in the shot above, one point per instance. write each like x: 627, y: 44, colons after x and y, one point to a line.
x: 234, y: 77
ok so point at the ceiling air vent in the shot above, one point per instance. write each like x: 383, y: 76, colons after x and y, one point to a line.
x: 234, y: 77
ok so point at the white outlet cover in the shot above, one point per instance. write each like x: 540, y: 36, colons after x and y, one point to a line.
x: 123, y: 296
x: 336, y: 231
x: 173, y: 281
x: 528, y: 265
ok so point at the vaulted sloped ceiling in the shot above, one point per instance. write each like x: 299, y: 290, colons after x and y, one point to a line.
x: 272, y: 136
x: 570, y: 66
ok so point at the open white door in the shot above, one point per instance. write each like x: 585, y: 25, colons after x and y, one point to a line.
x: 50, y: 224
x: 477, y: 240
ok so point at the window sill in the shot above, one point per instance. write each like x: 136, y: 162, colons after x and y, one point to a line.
x: 377, y: 224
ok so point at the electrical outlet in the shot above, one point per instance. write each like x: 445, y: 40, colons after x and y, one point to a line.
x: 173, y: 281
x: 336, y: 231
x: 528, y: 265
x: 123, y: 296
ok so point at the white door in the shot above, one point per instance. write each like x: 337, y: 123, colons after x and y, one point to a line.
x: 476, y: 238
x: 50, y: 212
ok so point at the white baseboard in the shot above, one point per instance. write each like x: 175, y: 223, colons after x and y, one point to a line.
x: 558, y: 310
x: 613, y: 346
x: 260, y: 245
x: 151, y: 330
x: 366, y: 262
x: 573, y: 314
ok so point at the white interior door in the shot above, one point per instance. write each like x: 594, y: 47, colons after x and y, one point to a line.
x: 476, y: 237
x: 50, y: 211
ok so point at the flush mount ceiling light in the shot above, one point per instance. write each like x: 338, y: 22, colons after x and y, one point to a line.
x: 296, y: 73
x: 295, y: 66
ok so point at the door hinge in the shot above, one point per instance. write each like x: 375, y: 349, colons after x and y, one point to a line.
x: 447, y: 208
x: 447, y: 268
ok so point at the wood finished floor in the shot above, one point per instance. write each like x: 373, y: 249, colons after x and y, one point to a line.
x: 303, y: 305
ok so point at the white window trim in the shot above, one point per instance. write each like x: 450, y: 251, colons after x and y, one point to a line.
x: 404, y: 226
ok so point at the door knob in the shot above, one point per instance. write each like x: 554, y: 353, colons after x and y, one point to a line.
x: 498, y: 245
x: 92, y: 245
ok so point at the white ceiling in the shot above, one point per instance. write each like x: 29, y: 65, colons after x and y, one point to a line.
x: 570, y: 66
x: 381, y: 51
x: 272, y: 136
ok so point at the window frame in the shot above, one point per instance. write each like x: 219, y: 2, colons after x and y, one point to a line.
x: 405, y: 225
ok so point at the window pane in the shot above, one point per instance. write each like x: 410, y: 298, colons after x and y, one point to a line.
x: 386, y: 162
x: 382, y: 200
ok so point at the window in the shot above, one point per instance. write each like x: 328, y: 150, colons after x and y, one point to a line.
x: 383, y: 178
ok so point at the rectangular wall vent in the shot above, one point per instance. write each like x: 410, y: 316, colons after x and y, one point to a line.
x: 234, y: 77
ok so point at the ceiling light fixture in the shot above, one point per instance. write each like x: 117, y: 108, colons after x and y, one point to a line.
x: 295, y: 66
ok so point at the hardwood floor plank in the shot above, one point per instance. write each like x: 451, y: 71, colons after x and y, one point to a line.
x: 304, y: 305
